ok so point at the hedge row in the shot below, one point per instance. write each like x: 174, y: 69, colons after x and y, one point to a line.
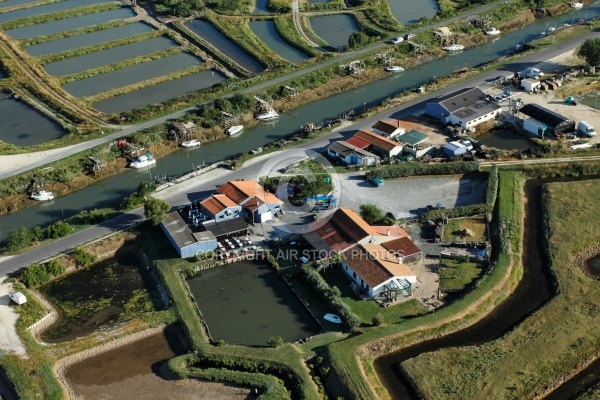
x: 327, y: 293
x: 416, y: 168
x: 272, y: 387
x: 456, y: 212
x: 492, y: 189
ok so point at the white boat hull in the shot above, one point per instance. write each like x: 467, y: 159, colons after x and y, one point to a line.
x: 454, y: 47
x: 394, y: 69
x: 234, y: 130
x: 191, y: 143
x: 43, y: 196
x: 268, y: 116
x: 493, y: 32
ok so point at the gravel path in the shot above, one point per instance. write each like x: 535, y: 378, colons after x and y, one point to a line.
x: 9, y: 340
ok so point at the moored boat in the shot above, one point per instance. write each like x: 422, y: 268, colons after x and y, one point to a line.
x: 191, y: 143
x: 454, y: 47
x: 333, y: 318
x: 267, y: 116
x: 492, y: 32
x: 394, y: 68
x: 42, y: 195
x: 146, y: 160
x: 576, y: 5
x: 234, y: 130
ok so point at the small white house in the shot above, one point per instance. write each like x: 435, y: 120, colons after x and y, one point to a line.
x: 454, y: 149
x: 18, y: 298
x: 530, y: 85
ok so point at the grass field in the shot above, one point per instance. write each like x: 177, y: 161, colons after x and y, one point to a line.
x: 552, y: 343
x: 458, y: 275
x: 455, y: 229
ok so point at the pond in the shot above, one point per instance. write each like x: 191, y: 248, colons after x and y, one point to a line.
x: 506, y: 140
x: 265, y: 30
x: 88, y: 39
x: 6, y: 392
x: 48, y: 8
x: 593, y: 266
x: 261, y: 7
x: 126, y: 76
x: 159, y: 93
x: 22, y: 125
x: 108, y: 56
x: 410, y: 11
x: 334, y: 29
x: 247, y: 302
x: 209, y: 33
x: 14, y: 3
x: 108, y: 292
x: 50, y: 28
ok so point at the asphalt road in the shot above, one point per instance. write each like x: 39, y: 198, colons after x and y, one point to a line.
x: 67, y: 151
x: 199, y: 187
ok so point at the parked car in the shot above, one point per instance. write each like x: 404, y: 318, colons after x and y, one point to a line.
x: 378, y: 181
x: 397, y: 40
x: 409, y: 36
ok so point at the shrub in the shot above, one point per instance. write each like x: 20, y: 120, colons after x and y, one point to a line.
x: 83, y: 258
x: 55, y: 268
x: 492, y: 189
x: 58, y: 230
x: 378, y: 319
x: 416, y: 168
x: 275, y: 341
x: 38, y: 233
x: 19, y: 238
x: 456, y: 212
x: 374, y: 216
x: 34, y: 275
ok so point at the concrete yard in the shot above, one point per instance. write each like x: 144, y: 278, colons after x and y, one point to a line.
x: 408, y: 197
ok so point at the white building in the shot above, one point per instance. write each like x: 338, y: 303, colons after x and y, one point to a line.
x: 467, y: 108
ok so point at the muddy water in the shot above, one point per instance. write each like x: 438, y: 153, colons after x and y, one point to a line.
x: 97, y: 296
x: 248, y: 303
x: 6, y: 392
x: 22, y: 125
x: 209, y: 33
x: 83, y: 21
x: 109, y: 56
x: 410, y: 11
x: 159, y: 93
x: 593, y: 266
x: 334, y: 29
x: 265, y: 30
x: 88, y: 39
x: 48, y: 8
x: 126, y: 76
x: 506, y: 140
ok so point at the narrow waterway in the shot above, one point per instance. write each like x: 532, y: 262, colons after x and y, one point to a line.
x: 112, y: 190
x: 534, y: 289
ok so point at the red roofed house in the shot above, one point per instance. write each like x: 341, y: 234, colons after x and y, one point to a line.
x: 389, y: 128
x: 220, y: 207
x: 260, y: 204
x: 352, y: 155
x: 379, y: 144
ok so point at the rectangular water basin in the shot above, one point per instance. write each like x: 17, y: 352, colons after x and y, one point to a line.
x: 126, y: 76
x: 334, y: 29
x: 50, y: 28
x: 88, y: 39
x: 108, y: 56
x: 159, y: 93
x: 14, y: 3
x: 48, y: 8
x: 265, y: 30
x: 22, y: 125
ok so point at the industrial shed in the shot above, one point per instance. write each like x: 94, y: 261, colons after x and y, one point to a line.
x: 557, y: 123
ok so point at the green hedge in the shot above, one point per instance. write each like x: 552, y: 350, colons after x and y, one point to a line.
x: 492, y: 189
x: 416, y: 168
x: 456, y: 212
x: 322, y: 287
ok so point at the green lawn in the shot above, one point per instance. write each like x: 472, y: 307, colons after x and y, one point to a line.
x: 367, y: 309
x: 475, y: 226
x: 458, y: 275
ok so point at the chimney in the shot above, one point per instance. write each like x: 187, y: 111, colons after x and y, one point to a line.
x: 400, y: 255
x: 388, y: 232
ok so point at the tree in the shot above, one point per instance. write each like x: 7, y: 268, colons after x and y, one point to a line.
x: 371, y: 213
x: 18, y: 238
x: 34, y: 275
x: 155, y: 210
x: 275, y: 341
x: 590, y: 50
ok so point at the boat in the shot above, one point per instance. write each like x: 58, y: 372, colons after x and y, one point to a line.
x: 333, y: 318
x: 234, y: 129
x: 42, y: 195
x: 454, y: 47
x: 394, y: 68
x: 267, y: 116
x: 143, y: 161
x: 576, y: 5
x: 191, y: 143
x: 492, y: 32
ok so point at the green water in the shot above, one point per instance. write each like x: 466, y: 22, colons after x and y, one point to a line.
x: 248, y: 303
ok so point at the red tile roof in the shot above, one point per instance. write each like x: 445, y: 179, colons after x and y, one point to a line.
x: 403, y: 245
x: 342, y: 230
x: 356, y: 142
x: 240, y: 191
x: 375, y: 265
x: 217, y: 203
x: 387, y: 126
x: 376, y: 140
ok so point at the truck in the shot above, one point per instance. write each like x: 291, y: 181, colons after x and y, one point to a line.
x: 586, y: 129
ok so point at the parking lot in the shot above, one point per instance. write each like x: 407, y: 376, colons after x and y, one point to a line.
x: 408, y: 197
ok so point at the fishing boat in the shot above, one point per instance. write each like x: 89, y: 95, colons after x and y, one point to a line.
x: 454, y: 47
x: 267, y: 116
x: 146, y: 160
x: 394, y: 68
x: 492, y: 32
x: 234, y: 130
x: 576, y: 5
x: 332, y: 318
x: 191, y: 143
x: 42, y: 195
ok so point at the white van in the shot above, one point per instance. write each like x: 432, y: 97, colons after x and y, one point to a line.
x: 585, y: 128
x: 537, y: 72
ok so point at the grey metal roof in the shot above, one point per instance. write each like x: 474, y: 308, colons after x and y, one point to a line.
x: 412, y: 137
x: 462, y: 98
x: 226, y: 227
x: 476, y: 110
x: 344, y: 148
x: 544, y: 115
x: 178, y: 229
